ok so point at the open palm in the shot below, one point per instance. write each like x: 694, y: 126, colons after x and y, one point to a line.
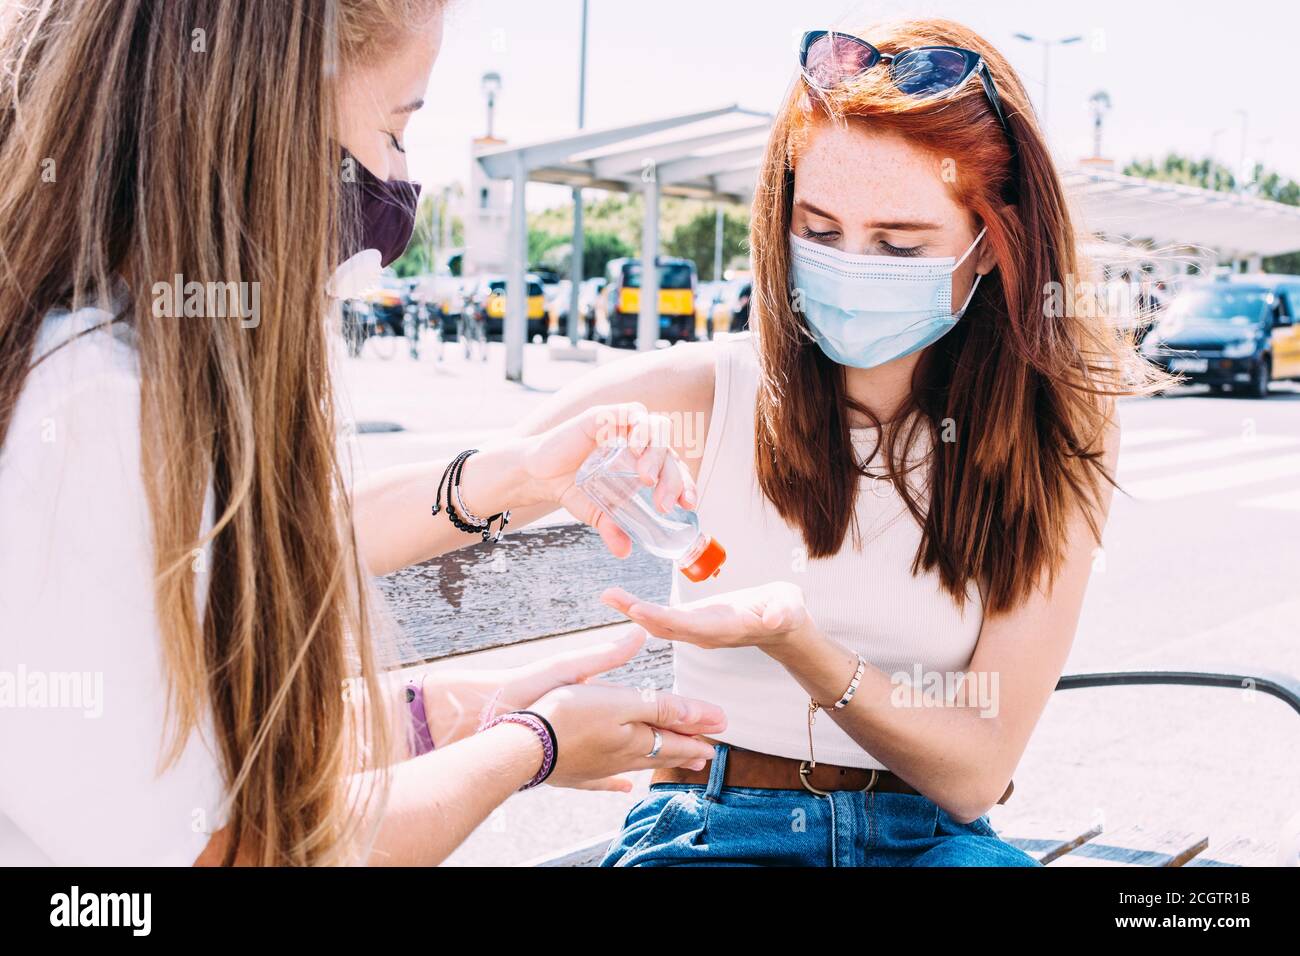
x: 751, y: 617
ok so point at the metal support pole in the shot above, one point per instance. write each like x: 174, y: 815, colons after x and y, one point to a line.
x: 575, y: 260
x: 647, y: 328
x: 446, y: 217
x: 718, y: 224
x: 576, y: 269
x: 516, y: 325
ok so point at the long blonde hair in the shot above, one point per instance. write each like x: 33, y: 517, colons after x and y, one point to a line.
x: 147, y: 139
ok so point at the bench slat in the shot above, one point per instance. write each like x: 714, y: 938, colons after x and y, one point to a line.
x: 1047, y: 842
x: 587, y: 853
x: 1136, y: 845
x: 1241, y: 851
x: 535, y: 583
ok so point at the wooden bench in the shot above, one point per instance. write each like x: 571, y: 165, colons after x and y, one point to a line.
x: 475, y: 599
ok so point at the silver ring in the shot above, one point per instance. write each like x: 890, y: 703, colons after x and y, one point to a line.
x: 659, y: 742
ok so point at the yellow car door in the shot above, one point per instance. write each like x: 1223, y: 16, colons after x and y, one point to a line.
x: 1286, y: 337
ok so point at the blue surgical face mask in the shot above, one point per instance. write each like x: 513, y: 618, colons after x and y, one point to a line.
x: 865, y: 311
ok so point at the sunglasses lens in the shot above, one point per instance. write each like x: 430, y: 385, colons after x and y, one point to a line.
x: 927, y: 72
x: 832, y: 59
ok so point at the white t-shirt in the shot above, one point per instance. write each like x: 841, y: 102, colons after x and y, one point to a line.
x: 82, y: 690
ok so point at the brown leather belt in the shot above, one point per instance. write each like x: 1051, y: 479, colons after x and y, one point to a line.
x: 747, y: 768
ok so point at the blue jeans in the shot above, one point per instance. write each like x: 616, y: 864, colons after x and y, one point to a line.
x: 694, y: 825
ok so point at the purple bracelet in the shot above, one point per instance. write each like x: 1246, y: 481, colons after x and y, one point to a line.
x: 542, y: 728
x: 421, y: 738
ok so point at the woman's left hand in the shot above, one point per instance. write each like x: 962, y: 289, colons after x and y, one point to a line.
x: 456, y: 701
x: 764, y: 617
x: 523, y: 686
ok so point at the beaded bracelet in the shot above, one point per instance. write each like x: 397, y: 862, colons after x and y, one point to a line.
x: 469, y: 523
x: 545, y: 733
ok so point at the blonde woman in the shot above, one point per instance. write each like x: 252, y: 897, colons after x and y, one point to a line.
x: 179, y: 543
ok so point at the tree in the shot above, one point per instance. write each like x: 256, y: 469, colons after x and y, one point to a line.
x: 695, y: 239
x: 416, y: 260
x: 539, y: 245
x: 597, y: 249
x: 620, y: 216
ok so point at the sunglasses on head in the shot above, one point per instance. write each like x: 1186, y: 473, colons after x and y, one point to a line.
x: 828, y: 60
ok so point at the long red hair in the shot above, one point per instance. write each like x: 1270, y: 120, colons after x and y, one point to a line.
x: 1016, y: 397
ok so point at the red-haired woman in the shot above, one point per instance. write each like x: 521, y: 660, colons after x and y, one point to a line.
x: 910, y: 461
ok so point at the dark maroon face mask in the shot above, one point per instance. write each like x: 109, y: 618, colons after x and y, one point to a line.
x: 387, y: 208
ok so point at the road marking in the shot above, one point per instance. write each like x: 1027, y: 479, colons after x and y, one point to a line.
x: 1200, y: 480
x: 1286, y: 501
x: 1212, y: 450
x: 1150, y: 436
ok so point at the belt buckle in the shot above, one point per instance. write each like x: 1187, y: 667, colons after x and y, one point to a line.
x: 805, y: 770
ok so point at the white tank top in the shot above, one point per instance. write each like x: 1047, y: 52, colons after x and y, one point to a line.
x: 867, y: 600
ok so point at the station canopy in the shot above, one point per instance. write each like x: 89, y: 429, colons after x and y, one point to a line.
x: 715, y: 155
x: 1231, y: 225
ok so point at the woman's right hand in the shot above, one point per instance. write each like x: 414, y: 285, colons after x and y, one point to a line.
x: 603, y: 731
x: 551, y: 461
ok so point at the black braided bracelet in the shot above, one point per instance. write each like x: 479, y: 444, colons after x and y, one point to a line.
x: 450, y: 481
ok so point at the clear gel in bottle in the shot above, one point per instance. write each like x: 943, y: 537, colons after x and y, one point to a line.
x: 609, y: 478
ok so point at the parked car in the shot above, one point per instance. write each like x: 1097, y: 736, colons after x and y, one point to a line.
x: 490, y: 300
x: 1237, y: 332
x: 619, y: 309
x: 588, y: 298
x: 557, y: 304
x: 707, y: 296
x: 588, y: 293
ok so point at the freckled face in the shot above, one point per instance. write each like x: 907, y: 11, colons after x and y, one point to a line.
x: 874, y: 193
x: 377, y: 100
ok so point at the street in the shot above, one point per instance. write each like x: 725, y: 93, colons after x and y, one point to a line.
x: 1200, y: 569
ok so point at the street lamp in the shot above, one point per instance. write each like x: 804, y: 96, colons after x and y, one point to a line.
x: 1214, y: 143
x: 491, y: 86
x: 1047, y: 52
x: 1100, y: 104
x: 1242, y: 173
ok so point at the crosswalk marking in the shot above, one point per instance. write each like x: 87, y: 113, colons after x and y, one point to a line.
x: 1212, y: 450
x: 1286, y: 501
x: 1137, y: 437
x: 1198, y: 480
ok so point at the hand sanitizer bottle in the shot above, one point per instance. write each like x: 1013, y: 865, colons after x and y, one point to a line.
x: 609, y: 478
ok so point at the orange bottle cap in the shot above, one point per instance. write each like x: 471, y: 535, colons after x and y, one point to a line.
x: 707, y: 564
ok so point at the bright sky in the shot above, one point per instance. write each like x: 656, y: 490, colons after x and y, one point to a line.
x: 1179, y: 74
